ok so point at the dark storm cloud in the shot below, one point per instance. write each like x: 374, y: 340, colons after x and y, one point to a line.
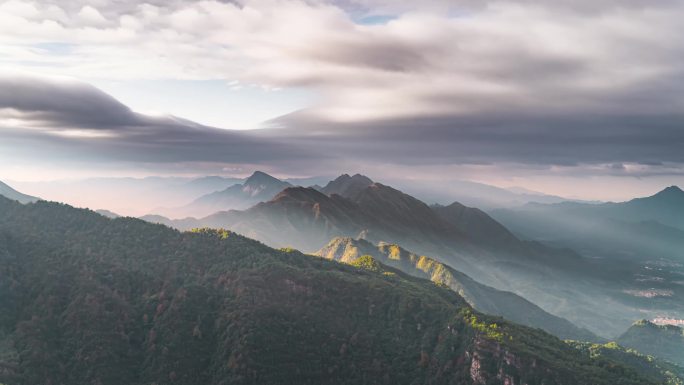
x: 63, y: 104
x: 503, y: 138
x: 75, y: 120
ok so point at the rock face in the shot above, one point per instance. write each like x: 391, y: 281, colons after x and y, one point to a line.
x: 92, y: 300
x: 664, y: 341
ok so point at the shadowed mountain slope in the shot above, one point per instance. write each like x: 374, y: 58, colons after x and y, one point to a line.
x: 477, y: 225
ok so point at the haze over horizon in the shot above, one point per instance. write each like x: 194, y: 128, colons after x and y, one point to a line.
x: 578, y: 99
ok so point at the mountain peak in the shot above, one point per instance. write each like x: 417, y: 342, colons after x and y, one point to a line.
x: 670, y: 194
x: 260, y: 177
x: 346, y: 185
x: 361, y: 177
x: 672, y: 190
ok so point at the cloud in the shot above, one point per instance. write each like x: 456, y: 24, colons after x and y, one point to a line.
x: 72, y: 120
x: 76, y: 116
x: 537, y: 84
x: 505, y: 138
x: 61, y: 103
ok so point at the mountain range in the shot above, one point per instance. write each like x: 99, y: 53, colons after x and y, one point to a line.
x: 560, y: 281
x: 307, y: 218
x: 642, y: 227
x: 85, y: 299
x: 474, y: 194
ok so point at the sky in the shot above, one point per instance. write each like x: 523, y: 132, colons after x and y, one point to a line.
x: 575, y: 98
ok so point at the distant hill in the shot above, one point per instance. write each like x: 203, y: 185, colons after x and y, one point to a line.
x: 652, y: 224
x: 474, y: 194
x: 93, y: 300
x: 483, y: 298
x: 259, y: 187
x: 9, y: 192
x: 108, y: 214
x: 641, y: 231
x: 666, y: 207
x: 658, y: 370
x: 664, y: 341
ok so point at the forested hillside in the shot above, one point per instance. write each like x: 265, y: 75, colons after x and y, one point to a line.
x: 482, y: 297
x: 664, y: 341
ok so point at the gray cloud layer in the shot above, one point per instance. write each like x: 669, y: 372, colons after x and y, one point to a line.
x: 75, y: 120
x: 51, y: 119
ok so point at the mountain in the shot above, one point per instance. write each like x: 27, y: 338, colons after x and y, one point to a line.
x: 474, y: 194
x: 481, y: 297
x: 300, y: 217
x: 306, y: 218
x: 476, y: 224
x: 666, y: 207
x: 559, y: 281
x: 346, y: 185
x: 257, y: 188
x: 653, y: 223
x: 92, y: 300
x: 9, y: 192
x: 664, y: 341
